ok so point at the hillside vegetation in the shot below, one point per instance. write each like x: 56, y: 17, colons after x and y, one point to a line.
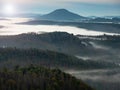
x: 9, y: 57
x: 39, y: 78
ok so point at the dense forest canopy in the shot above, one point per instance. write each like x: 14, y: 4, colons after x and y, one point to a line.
x: 39, y: 78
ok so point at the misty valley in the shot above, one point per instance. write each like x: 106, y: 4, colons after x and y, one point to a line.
x: 58, y: 51
x: 94, y: 59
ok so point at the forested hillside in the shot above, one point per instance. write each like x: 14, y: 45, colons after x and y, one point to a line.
x: 9, y: 57
x: 39, y: 78
x: 55, y: 41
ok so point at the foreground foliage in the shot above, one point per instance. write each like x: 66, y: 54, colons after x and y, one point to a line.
x: 39, y: 78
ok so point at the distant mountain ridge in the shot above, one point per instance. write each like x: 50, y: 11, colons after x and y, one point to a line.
x: 107, y: 20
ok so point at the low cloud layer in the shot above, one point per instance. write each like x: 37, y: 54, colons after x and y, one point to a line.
x: 1, y: 26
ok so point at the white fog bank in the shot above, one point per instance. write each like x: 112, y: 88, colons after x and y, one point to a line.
x: 10, y: 28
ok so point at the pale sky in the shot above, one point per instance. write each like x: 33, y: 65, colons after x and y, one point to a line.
x: 62, y: 1
x: 82, y: 7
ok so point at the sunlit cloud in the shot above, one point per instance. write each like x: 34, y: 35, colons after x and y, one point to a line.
x: 8, y: 9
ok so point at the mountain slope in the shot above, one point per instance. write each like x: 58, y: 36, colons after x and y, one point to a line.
x: 62, y: 15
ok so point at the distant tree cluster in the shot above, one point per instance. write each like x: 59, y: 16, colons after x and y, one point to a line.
x: 39, y: 78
